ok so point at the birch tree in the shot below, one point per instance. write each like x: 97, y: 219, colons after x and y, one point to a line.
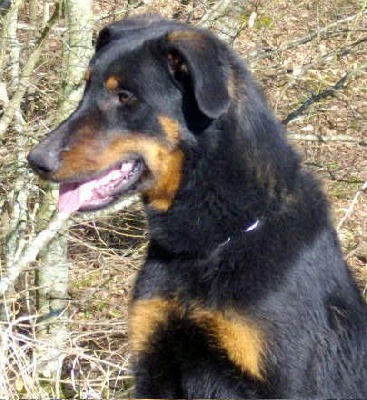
x: 53, y: 272
x: 16, y: 78
x: 224, y: 18
x: 15, y: 81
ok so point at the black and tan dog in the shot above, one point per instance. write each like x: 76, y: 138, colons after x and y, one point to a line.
x: 244, y: 292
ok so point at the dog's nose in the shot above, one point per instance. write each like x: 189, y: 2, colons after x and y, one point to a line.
x: 42, y: 161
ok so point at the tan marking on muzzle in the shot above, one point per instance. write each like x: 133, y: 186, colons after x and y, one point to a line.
x: 164, y: 160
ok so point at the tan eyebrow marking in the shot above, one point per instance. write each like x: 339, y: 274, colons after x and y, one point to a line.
x: 112, y: 83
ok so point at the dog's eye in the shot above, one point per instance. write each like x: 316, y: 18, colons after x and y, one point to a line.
x: 125, y: 97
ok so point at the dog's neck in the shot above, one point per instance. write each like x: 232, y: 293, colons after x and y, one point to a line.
x: 205, y: 214
x: 230, y: 183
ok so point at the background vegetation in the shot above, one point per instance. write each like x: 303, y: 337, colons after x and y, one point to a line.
x: 63, y: 321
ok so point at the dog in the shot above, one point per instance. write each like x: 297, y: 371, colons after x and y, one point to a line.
x: 244, y: 292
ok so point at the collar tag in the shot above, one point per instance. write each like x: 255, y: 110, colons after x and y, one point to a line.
x: 253, y: 226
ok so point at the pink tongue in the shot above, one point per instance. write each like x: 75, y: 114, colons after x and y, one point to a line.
x: 73, y: 196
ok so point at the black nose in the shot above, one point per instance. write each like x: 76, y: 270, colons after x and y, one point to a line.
x: 43, y: 161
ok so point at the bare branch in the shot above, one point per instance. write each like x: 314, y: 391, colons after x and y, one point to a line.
x: 324, y: 139
x: 58, y: 222
x: 339, y: 85
x: 340, y: 52
x: 32, y: 251
x: 11, y: 15
x: 24, y: 81
x: 320, y: 33
x: 18, y: 196
x: 224, y: 18
x: 353, y: 203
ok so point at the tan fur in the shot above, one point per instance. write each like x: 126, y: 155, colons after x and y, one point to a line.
x: 87, y: 74
x: 146, y: 316
x: 112, y: 83
x: 238, y: 336
x: 241, y: 339
x: 162, y: 157
x: 171, y: 128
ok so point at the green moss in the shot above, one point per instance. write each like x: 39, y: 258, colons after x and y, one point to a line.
x: 263, y: 21
x: 354, y: 125
x: 342, y: 189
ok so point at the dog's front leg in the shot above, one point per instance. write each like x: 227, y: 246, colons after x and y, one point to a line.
x: 157, y: 374
x: 156, y: 378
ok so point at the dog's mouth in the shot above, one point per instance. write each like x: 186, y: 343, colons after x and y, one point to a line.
x: 99, y: 192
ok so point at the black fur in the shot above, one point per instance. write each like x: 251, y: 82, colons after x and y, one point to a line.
x: 286, y: 275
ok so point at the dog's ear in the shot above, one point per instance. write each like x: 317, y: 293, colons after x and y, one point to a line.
x: 114, y: 31
x: 104, y: 37
x: 123, y: 28
x: 198, y: 57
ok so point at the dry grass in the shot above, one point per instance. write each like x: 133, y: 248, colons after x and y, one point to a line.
x: 106, y: 254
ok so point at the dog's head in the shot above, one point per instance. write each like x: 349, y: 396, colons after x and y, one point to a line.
x: 151, y: 85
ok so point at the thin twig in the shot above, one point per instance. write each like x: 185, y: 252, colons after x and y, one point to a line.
x: 321, y: 33
x: 58, y: 222
x: 324, y: 139
x: 340, y: 52
x: 325, y: 93
x: 353, y: 203
x: 24, y: 80
x: 32, y: 251
x: 18, y: 196
x: 224, y: 18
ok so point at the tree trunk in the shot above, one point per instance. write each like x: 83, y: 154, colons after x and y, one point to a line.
x: 224, y: 18
x: 53, y: 273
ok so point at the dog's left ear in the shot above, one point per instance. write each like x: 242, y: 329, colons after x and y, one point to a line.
x: 105, y: 36
x: 125, y: 27
x: 198, y: 56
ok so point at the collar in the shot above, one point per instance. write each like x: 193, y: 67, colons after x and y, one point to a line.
x: 253, y: 226
x: 250, y: 228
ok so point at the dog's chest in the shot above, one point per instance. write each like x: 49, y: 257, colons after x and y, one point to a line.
x: 223, y: 331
